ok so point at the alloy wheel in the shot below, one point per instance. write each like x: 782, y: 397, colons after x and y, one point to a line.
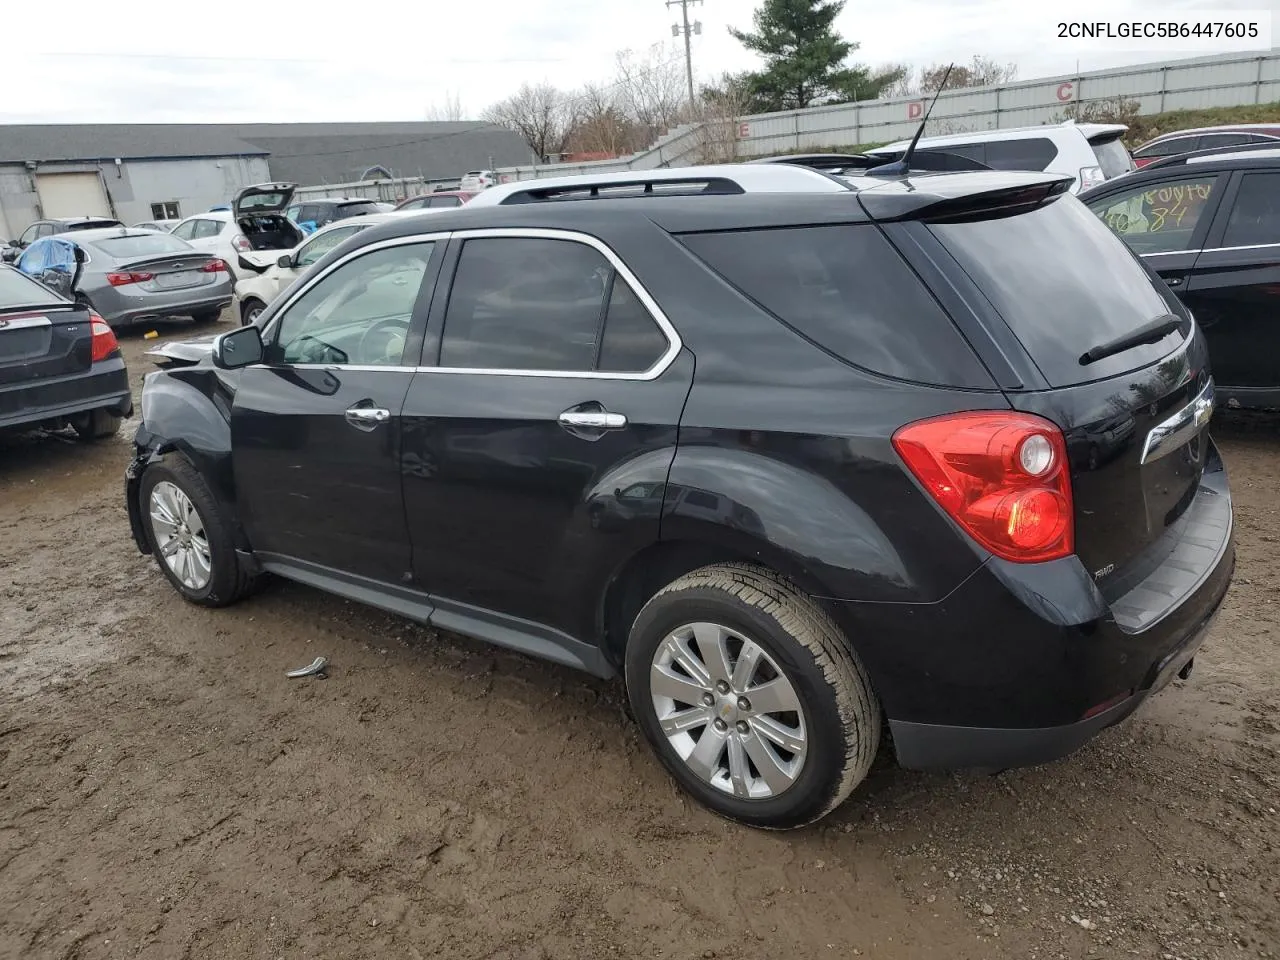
x: 728, y: 710
x: 179, y: 534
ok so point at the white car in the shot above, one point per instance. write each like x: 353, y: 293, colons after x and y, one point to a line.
x: 1089, y: 153
x: 476, y: 180
x: 255, y: 222
x: 265, y: 275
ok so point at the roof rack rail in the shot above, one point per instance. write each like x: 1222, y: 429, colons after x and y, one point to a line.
x: 713, y: 179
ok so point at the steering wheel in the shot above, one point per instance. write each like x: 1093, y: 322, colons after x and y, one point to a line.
x: 393, y: 330
x: 311, y: 349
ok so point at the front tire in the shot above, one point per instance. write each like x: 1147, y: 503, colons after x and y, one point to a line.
x: 190, y: 537
x: 751, y: 696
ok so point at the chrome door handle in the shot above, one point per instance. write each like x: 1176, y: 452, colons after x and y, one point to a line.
x: 367, y: 418
x: 593, y: 420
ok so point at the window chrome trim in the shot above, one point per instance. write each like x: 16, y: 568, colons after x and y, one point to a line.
x: 269, y: 330
x: 1245, y: 246
x: 659, y: 367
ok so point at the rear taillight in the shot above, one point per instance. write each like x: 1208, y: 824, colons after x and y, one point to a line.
x: 104, y: 339
x: 240, y: 243
x: 214, y: 266
x: 1091, y: 177
x: 1001, y: 475
x: 122, y: 279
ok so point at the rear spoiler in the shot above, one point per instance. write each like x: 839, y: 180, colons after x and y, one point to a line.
x: 932, y: 201
x: 925, y: 161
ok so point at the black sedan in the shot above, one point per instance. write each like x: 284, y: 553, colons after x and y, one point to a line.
x: 60, y: 364
x: 1209, y: 224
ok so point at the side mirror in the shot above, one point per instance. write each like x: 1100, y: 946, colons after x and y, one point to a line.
x: 285, y: 262
x: 239, y: 348
x: 617, y: 492
x: 9, y: 254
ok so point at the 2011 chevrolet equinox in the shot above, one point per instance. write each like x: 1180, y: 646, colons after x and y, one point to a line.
x: 799, y: 455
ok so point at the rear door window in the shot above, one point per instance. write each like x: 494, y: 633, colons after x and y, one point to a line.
x: 1063, y: 283
x: 1255, y: 217
x: 1158, y: 217
x: 848, y: 290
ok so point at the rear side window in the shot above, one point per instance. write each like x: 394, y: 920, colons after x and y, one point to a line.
x: 1158, y: 217
x: 1255, y: 218
x: 1031, y: 153
x: 525, y: 303
x: 1063, y: 283
x: 846, y: 289
x: 445, y: 202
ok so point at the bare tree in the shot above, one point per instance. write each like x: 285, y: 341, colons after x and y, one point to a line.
x: 600, y: 125
x: 542, y: 115
x: 450, y: 108
x: 981, y: 71
x: 718, y: 114
x: 650, y: 89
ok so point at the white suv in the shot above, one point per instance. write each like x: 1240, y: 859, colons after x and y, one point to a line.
x: 1089, y: 153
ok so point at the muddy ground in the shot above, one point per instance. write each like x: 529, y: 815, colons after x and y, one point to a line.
x: 165, y: 792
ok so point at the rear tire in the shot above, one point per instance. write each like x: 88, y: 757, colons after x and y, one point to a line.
x: 250, y: 309
x: 190, y: 537
x: 96, y: 425
x: 777, y: 646
x: 206, y: 316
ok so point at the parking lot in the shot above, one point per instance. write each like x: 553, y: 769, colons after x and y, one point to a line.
x: 166, y: 792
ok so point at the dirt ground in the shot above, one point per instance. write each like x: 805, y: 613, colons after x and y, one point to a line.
x: 165, y: 792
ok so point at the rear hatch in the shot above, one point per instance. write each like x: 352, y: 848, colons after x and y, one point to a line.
x: 259, y: 213
x: 157, y: 263
x: 42, y: 335
x: 1134, y: 413
x: 1113, y: 159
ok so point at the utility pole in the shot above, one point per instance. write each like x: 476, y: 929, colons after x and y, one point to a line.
x: 677, y: 29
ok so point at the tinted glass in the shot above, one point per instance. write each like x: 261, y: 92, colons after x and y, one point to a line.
x: 1211, y: 140
x: 849, y: 291
x: 524, y: 303
x: 355, y: 209
x: 633, y: 341
x: 1033, y: 153
x: 17, y: 290
x: 359, y: 313
x: 322, y: 244
x: 445, y: 202
x: 1167, y: 148
x: 1160, y: 217
x: 125, y: 248
x: 1255, y: 218
x: 1064, y: 283
x: 1113, y: 158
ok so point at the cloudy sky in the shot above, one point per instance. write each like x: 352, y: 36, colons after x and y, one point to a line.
x: 161, y: 61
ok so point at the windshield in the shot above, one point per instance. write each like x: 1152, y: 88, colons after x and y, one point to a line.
x: 1064, y: 284
x: 1113, y: 158
x: 153, y: 244
x: 17, y: 291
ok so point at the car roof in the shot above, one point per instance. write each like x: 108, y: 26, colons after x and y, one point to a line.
x: 1223, y: 128
x: 849, y: 200
x: 1215, y: 162
x: 1089, y: 130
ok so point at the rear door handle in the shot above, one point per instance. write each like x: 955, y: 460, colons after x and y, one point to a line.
x: 367, y: 418
x: 1174, y: 281
x: 593, y: 419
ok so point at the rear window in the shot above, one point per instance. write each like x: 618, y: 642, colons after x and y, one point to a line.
x: 89, y: 225
x: 18, y: 291
x: 1113, y: 158
x: 846, y: 289
x: 259, y: 200
x: 1063, y: 283
x: 155, y: 244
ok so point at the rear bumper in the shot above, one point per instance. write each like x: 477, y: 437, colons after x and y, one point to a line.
x: 104, y: 386
x: 143, y: 310
x: 1023, y: 663
x: 1248, y: 398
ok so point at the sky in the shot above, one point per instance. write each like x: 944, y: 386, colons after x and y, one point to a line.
x: 159, y: 61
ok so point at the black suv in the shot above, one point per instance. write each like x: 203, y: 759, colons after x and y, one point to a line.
x: 797, y: 454
x: 1209, y: 223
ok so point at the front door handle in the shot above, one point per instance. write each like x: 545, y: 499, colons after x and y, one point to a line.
x: 367, y: 418
x: 593, y: 419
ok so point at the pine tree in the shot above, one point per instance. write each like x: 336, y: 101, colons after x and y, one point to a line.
x: 805, y: 57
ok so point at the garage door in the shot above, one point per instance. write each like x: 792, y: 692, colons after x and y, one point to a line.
x: 72, y: 195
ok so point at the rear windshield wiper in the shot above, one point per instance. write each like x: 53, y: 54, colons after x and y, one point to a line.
x: 1153, y: 332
